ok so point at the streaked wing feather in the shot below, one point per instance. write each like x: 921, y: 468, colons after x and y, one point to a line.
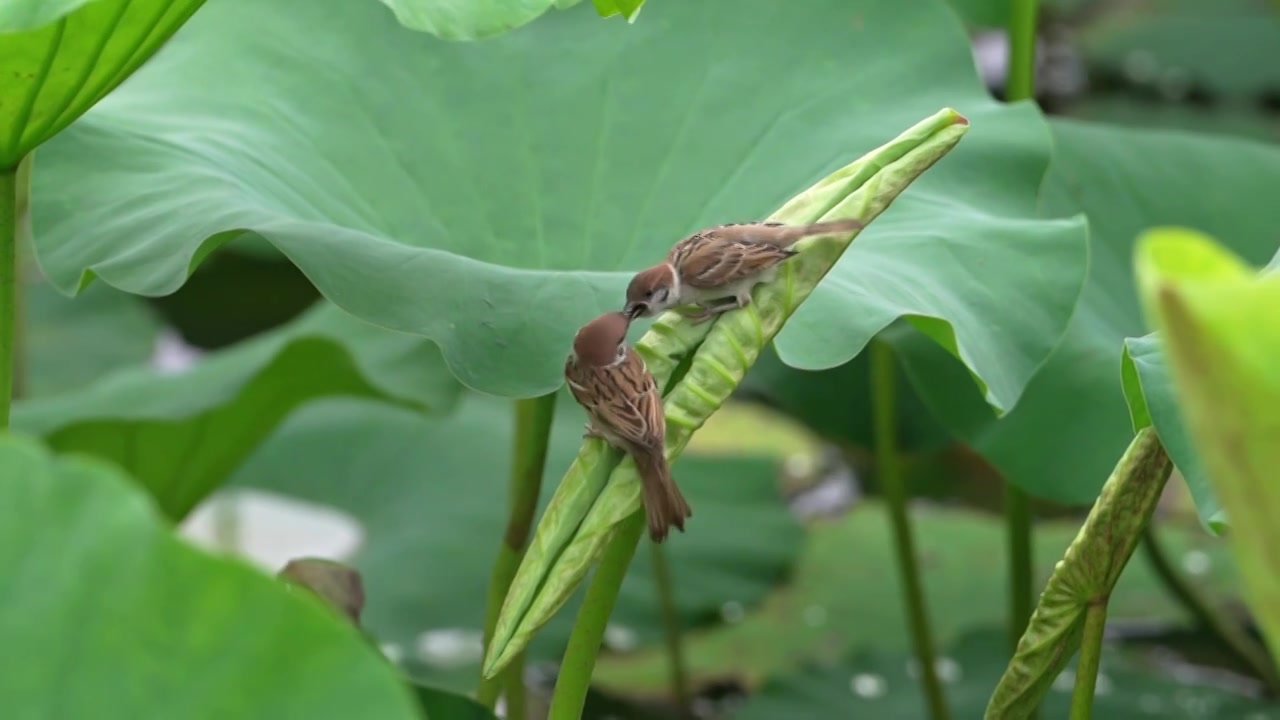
x: 624, y: 399
x: 720, y: 262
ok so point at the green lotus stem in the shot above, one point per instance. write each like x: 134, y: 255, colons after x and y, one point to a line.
x: 226, y: 522
x: 1095, y: 625
x: 534, y: 417
x: 894, y: 484
x: 588, y: 631
x: 1084, y: 578
x: 1230, y: 634
x: 1020, y: 85
x: 514, y: 690
x: 1017, y: 511
x: 598, y: 493
x: 670, y: 626
x: 13, y: 196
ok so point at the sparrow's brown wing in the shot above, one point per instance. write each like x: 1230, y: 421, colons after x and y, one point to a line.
x: 623, y: 398
x: 712, y: 259
x: 579, y: 379
x: 776, y: 233
x: 752, y: 233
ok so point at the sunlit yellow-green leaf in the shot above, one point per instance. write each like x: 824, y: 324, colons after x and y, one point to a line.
x: 1220, y: 328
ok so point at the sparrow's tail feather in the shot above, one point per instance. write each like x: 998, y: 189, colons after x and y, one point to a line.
x: 664, y: 506
x: 795, y: 232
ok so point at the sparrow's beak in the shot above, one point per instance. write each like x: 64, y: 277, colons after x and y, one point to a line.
x: 634, y: 310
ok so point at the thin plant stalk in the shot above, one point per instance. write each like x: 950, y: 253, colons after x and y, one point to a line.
x: 226, y: 521
x: 1017, y: 512
x: 1021, y: 80
x: 671, y: 627
x: 532, y: 433
x: 893, y: 483
x: 1095, y: 624
x: 579, y: 661
x: 12, y: 196
x: 514, y: 690
x: 1229, y: 633
x: 1020, y: 85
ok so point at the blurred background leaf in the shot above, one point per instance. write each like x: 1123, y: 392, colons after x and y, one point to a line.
x: 1177, y: 64
x: 99, y: 596
x: 844, y: 595
x: 182, y: 434
x: 882, y: 684
x: 71, y: 343
x: 1175, y: 47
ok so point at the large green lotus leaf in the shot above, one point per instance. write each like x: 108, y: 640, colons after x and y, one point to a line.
x: 113, y: 617
x: 844, y: 595
x: 59, y: 58
x: 182, y: 434
x: 71, y: 342
x: 430, y: 493
x: 1074, y: 409
x: 884, y: 685
x: 494, y: 196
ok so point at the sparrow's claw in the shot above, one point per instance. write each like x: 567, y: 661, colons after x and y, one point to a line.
x: 697, y: 318
x: 590, y: 432
x: 709, y: 311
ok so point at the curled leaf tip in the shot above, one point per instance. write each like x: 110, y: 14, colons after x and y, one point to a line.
x: 950, y: 116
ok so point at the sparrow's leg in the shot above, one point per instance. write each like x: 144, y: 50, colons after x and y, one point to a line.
x: 590, y: 431
x: 709, y: 311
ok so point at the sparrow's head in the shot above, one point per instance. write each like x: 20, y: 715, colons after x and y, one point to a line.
x: 651, y: 291
x: 602, y: 341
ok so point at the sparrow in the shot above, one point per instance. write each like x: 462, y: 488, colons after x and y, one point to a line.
x: 624, y: 407
x: 722, y: 263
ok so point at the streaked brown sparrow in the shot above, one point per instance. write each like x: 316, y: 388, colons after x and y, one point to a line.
x: 722, y: 263
x: 620, y: 396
